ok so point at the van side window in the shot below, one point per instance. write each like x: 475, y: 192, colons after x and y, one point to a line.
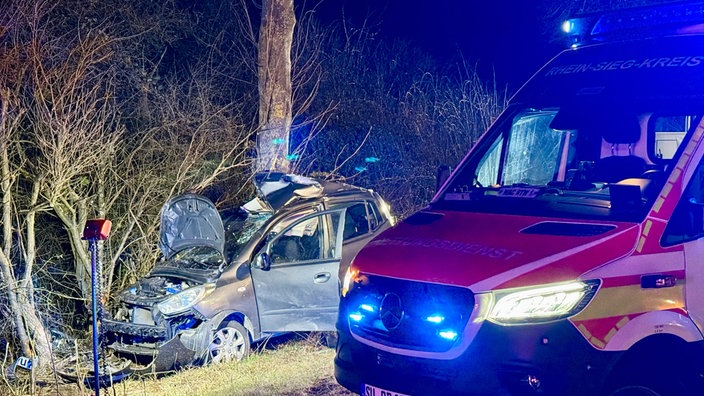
x: 668, y: 131
x: 687, y: 221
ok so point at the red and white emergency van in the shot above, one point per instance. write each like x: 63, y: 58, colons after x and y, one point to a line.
x: 565, y: 254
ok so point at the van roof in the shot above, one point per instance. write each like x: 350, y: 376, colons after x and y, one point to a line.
x: 663, y: 69
x: 638, y: 22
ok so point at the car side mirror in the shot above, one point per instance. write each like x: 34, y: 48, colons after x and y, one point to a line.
x: 263, y: 262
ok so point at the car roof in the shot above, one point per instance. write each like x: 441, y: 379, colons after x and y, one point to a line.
x: 281, y: 191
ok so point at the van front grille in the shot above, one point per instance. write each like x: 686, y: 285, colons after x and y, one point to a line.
x: 407, y: 314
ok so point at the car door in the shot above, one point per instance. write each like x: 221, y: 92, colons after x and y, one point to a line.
x: 298, y: 289
x: 362, y: 222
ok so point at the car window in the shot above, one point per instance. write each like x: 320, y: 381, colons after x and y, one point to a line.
x: 375, y: 218
x: 303, y: 240
x: 356, y: 221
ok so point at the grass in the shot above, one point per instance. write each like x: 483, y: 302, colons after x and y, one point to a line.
x: 300, y: 366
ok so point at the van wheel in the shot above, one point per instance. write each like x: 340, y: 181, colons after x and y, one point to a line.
x: 230, y: 343
x: 635, y: 390
x: 650, y: 383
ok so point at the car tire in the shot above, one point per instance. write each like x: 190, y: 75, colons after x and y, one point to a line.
x: 330, y: 339
x: 229, y: 343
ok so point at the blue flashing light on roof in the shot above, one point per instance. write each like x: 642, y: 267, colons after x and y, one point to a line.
x: 576, y: 29
x: 567, y: 26
x: 278, y: 141
x: 360, y: 168
x: 293, y: 157
x: 575, y: 26
x: 637, y: 22
x: 371, y: 160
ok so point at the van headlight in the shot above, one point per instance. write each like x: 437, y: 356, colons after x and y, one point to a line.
x: 185, y: 299
x: 541, y: 304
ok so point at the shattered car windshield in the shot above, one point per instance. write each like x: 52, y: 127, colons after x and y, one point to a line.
x: 240, y: 227
x: 198, y: 256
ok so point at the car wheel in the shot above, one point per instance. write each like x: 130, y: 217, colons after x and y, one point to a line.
x: 330, y: 339
x: 230, y: 343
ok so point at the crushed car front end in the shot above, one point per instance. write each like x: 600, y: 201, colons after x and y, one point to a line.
x: 156, y: 325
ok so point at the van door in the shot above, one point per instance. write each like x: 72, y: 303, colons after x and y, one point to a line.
x: 686, y: 227
x: 299, y: 289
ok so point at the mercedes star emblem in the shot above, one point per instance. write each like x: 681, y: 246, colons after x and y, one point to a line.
x: 391, y: 311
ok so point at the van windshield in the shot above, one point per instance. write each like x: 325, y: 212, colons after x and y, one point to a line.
x: 593, y: 135
x: 579, y: 161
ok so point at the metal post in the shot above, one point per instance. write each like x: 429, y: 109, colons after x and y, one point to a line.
x: 93, y: 247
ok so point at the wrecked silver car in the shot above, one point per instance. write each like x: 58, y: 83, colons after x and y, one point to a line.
x: 229, y: 279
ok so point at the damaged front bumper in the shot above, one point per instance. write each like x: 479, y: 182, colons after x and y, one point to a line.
x: 158, y: 348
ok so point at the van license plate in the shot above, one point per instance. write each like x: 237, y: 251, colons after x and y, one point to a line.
x: 368, y: 390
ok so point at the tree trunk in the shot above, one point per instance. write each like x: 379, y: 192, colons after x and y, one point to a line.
x: 34, y: 340
x: 275, y: 40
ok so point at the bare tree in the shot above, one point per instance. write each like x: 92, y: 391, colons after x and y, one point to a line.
x: 20, y: 189
x: 190, y: 143
x: 82, y: 137
x: 398, y: 115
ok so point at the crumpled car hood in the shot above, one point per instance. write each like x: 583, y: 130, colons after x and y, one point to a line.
x: 190, y: 220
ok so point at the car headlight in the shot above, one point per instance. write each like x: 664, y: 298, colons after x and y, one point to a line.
x: 347, y: 282
x: 541, y: 304
x: 185, y: 299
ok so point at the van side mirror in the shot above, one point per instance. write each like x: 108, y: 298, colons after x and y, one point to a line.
x: 263, y: 262
x: 443, y: 173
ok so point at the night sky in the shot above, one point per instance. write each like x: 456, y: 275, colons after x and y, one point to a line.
x: 503, y: 37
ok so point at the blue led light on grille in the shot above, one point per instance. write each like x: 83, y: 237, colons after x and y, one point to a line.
x: 437, y: 319
x: 356, y: 316
x: 448, y: 334
x: 367, y: 307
